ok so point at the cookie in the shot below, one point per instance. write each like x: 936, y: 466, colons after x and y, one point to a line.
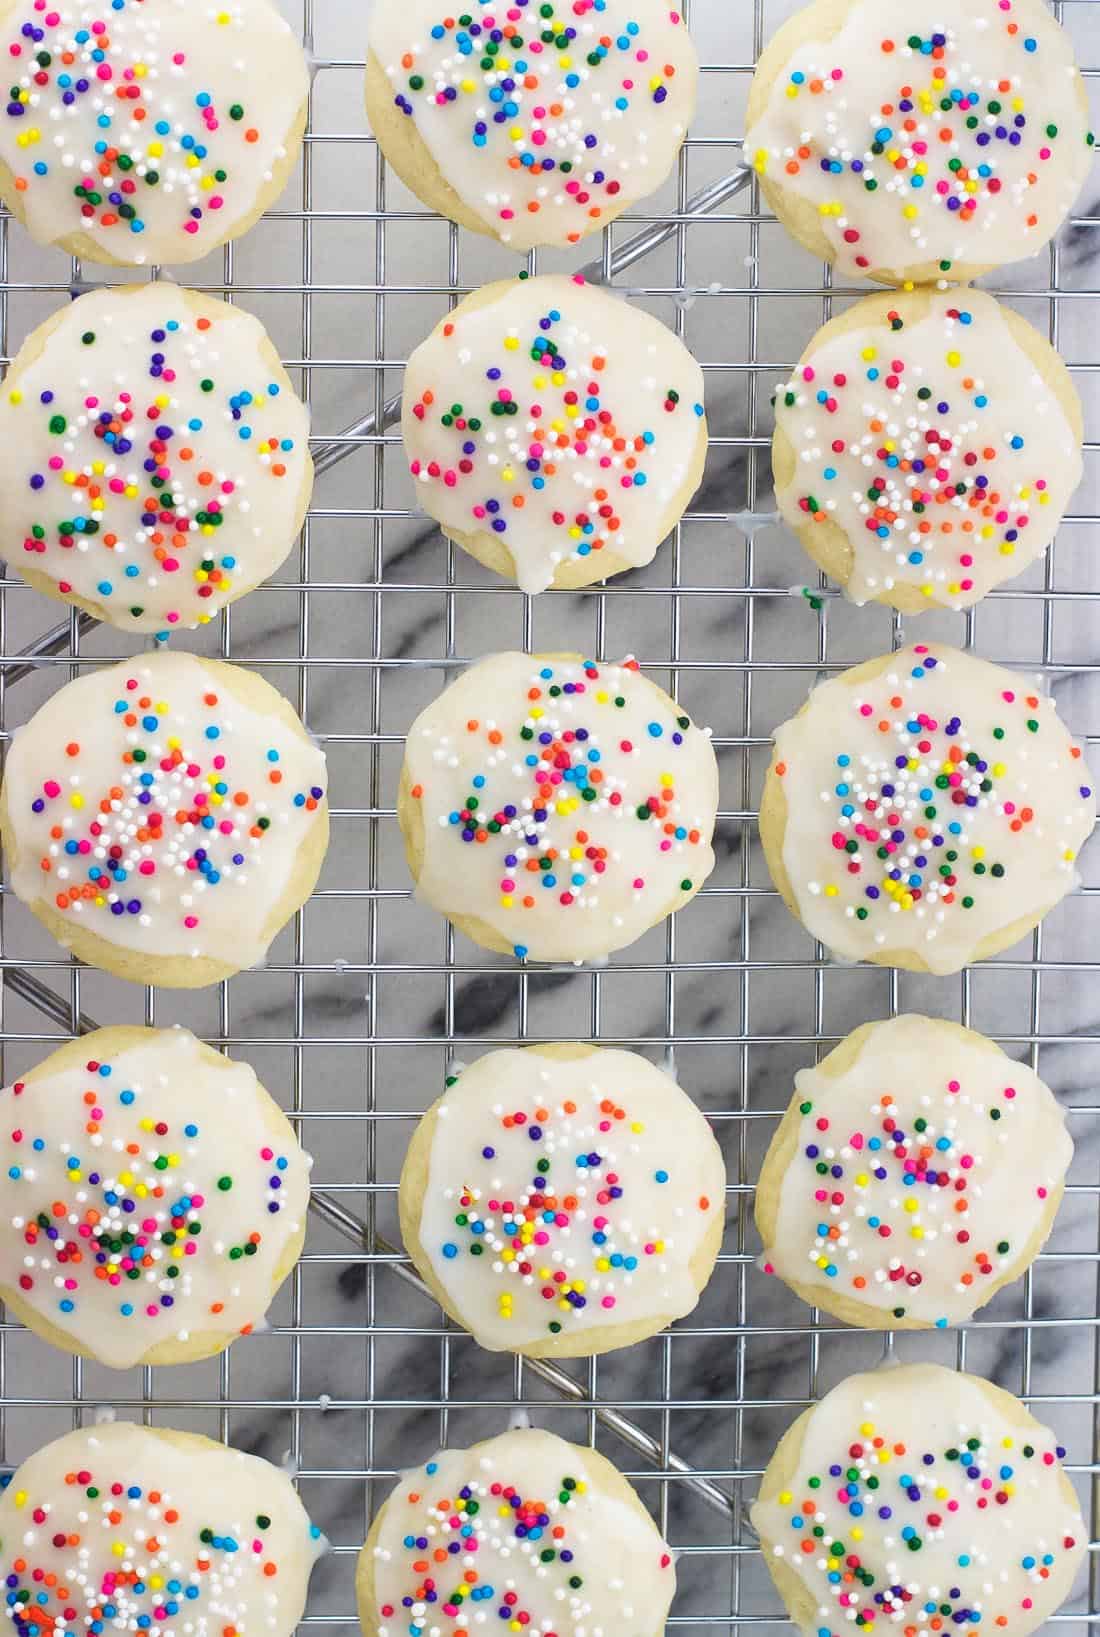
x: 562, y: 1201
x: 147, y: 130
x: 550, y: 1533
x: 554, y: 431
x: 916, y: 1172
x: 555, y: 808
x: 164, y: 818
x: 912, y: 1492
x: 926, y: 448
x: 154, y: 1198
x: 909, y: 142
x: 132, y: 1528
x: 925, y: 810
x: 534, y: 123
x: 154, y: 457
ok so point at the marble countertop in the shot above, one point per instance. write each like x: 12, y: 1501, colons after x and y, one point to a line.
x: 366, y: 1001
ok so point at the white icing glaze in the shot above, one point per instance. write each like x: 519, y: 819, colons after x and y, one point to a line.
x: 631, y: 1182
x: 995, y: 1534
x: 977, y: 195
x: 189, y: 748
x: 172, y: 1151
x: 626, y: 873
x: 135, y: 1549
x: 1014, y: 819
x: 610, y: 416
x: 625, y: 1571
x: 920, y: 411
x: 916, y: 1221
x: 608, y: 130
x: 158, y: 381
x: 208, y: 73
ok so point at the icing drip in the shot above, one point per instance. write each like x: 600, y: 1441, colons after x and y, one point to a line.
x: 936, y: 447
x: 920, y: 1502
x: 923, y: 133
x: 150, y: 126
x: 566, y: 804
x: 567, y: 1194
x: 519, y: 1531
x: 546, y: 119
x: 920, y: 1173
x: 146, y: 1196
x: 151, y: 463
x: 556, y: 418
x: 115, y: 1528
x: 929, y: 807
x: 152, y: 803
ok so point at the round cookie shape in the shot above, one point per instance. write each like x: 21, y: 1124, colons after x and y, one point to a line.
x: 153, y: 1198
x: 561, y: 1201
x: 546, y: 1529
x: 926, y: 448
x: 916, y: 1172
x: 924, y: 1486
x: 147, y: 131
x: 554, y: 431
x: 165, y: 817
x: 154, y: 457
x: 906, y: 142
x: 556, y: 808
x: 130, y: 1527
x: 536, y: 124
x: 925, y: 810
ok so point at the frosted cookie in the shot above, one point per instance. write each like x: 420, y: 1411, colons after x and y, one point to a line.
x: 154, y: 457
x: 127, y: 1528
x: 556, y: 808
x: 908, y: 140
x: 546, y: 1536
x: 919, y: 1497
x: 926, y: 448
x: 152, y: 1194
x: 535, y: 123
x: 925, y: 810
x: 562, y: 1201
x: 917, y: 1170
x: 143, y: 131
x: 554, y: 431
x: 165, y: 817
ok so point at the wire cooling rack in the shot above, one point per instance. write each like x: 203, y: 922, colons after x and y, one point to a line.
x: 368, y: 998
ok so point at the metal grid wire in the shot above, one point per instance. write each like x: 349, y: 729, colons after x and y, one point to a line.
x: 358, y: 1373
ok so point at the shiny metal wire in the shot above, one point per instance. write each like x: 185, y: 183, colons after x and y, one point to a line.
x: 639, y: 1429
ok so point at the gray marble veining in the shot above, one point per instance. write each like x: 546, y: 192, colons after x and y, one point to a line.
x: 357, y: 1014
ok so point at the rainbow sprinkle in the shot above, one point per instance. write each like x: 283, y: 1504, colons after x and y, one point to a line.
x: 141, y: 817
x: 925, y: 1533
x: 462, y: 1544
x: 939, y: 479
x: 920, y: 143
x: 102, y: 1548
x: 539, y: 450
x: 152, y: 152
x: 147, y: 495
x: 913, y: 1200
x: 917, y: 800
x: 568, y: 111
x: 127, y: 1202
x: 570, y: 1204
x: 548, y: 779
